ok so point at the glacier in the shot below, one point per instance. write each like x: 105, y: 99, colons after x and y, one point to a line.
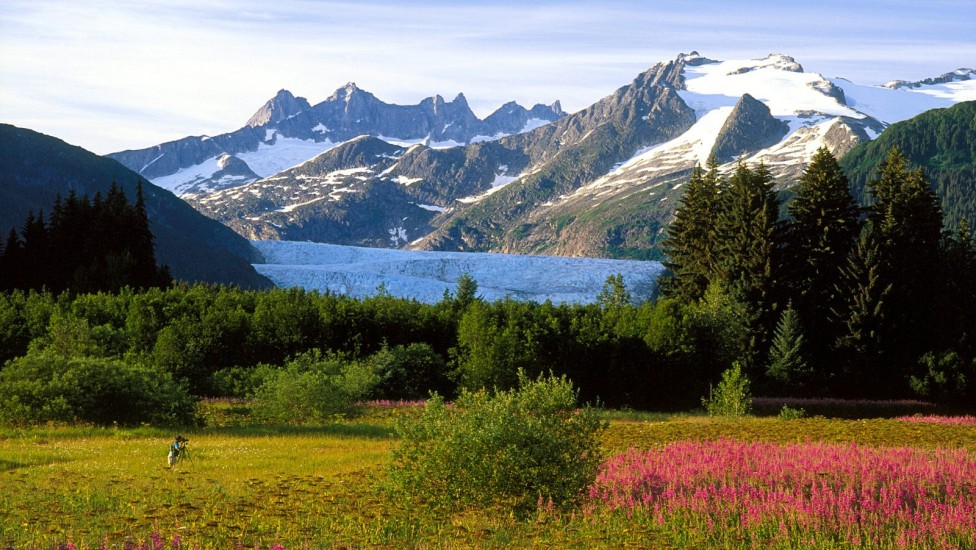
x: 425, y: 276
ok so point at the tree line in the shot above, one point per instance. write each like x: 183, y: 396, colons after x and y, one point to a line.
x: 86, y: 245
x: 819, y: 297
x: 835, y: 299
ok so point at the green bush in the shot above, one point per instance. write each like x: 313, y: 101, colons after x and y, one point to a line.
x: 45, y: 387
x: 408, y: 372
x: 789, y: 413
x: 241, y: 381
x: 511, y: 449
x: 731, y: 398
x: 314, y: 387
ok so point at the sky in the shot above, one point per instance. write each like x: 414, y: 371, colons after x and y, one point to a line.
x: 114, y: 75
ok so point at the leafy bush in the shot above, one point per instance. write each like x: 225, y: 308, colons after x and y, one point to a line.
x: 731, y: 398
x: 241, y: 381
x: 45, y: 386
x: 408, y: 372
x: 789, y: 413
x: 314, y: 387
x: 513, y: 448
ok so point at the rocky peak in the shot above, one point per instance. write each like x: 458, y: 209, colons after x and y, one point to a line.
x: 957, y: 75
x: 345, y: 93
x: 750, y: 127
x: 772, y: 61
x: 693, y: 59
x: 280, y: 107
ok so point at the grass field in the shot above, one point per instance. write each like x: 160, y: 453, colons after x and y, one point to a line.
x: 322, y: 487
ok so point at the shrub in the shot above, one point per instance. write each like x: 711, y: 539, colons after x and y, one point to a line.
x: 789, y: 413
x: 45, y: 386
x: 408, y: 372
x: 731, y: 397
x: 512, y: 449
x: 241, y: 381
x: 314, y: 387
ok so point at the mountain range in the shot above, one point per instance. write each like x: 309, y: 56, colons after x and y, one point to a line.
x: 601, y: 182
x: 287, y: 130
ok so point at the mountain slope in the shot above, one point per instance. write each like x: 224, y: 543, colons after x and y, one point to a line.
x: 600, y: 182
x: 942, y: 142
x: 36, y: 167
x: 287, y: 131
x: 622, y: 212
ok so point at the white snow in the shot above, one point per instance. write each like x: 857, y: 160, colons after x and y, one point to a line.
x: 407, y: 181
x: 150, y: 163
x: 432, y: 207
x: 784, y: 92
x: 532, y: 124
x: 480, y: 138
x: 285, y: 153
x: 181, y: 182
x: 291, y: 207
x: 502, y: 180
x: 424, y: 276
x: 320, y: 128
x: 890, y: 106
x: 446, y: 144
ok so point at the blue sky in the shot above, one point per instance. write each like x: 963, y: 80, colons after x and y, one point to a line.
x: 113, y: 75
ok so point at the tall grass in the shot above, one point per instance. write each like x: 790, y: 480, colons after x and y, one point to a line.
x: 318, y: 486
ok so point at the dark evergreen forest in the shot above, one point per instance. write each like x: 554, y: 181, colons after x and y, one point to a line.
x: 102, y: 244
x: 832, y: 299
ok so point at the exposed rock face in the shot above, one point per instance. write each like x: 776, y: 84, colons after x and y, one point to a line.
x: 280, y: 107
x: 287, y: 126
x: 957, y: 75
x: 748, y: 129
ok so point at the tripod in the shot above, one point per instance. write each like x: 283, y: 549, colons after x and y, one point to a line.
x: 184, y: 452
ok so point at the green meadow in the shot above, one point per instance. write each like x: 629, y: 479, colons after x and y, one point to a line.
x: 267, y: 486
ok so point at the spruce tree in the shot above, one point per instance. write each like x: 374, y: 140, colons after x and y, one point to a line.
x: 787, y: 362
x: 691, y: 242
x: 750, y: 239
x: 823, y: 227
x: 863, y: 313
x: 909, y: 222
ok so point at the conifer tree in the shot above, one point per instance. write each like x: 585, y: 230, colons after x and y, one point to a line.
x: 863, y: 313
x: 824, y: 225
x: 958, y: 305
x: 690, y: 246
x: 750, y: 239
x: 909, y: 222
x: 787, y: 363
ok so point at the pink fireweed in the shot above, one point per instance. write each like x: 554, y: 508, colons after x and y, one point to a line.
x: 759, y: 494
x: 934, y: 419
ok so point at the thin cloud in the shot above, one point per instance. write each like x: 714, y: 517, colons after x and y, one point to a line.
x: 118, y: 75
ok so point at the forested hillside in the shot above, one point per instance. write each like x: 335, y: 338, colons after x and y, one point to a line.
x: 942, y: 142
x: 835, y: 299
x: 37, y: 168
x: 103, y: 244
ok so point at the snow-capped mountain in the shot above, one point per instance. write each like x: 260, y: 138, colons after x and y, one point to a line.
x: 287, y: 131
x: 599, y: 182
x: 761, y: 110
x: 426, y: 276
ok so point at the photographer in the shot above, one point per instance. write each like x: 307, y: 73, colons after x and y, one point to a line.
x: 176, y: 449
